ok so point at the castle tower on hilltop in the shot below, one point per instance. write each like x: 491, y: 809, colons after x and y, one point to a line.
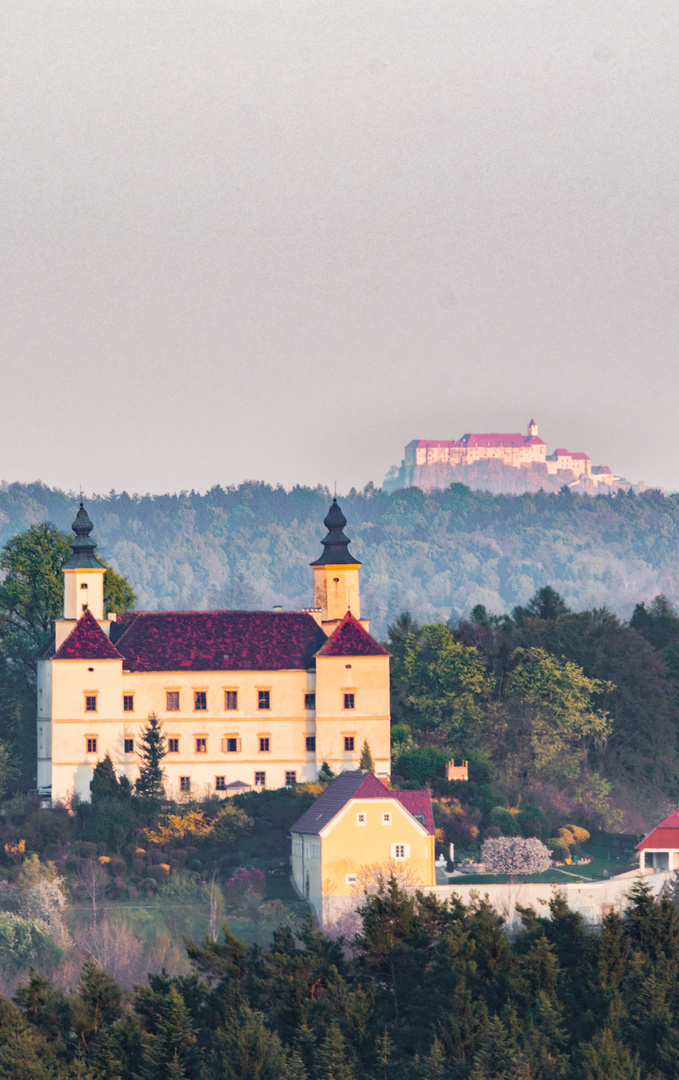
x: 532, y: 430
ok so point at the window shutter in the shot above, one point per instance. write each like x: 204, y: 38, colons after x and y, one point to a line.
x: 225, y: 745
x: 238, y: 745
x: 407, y: 850
x: 392, y: 850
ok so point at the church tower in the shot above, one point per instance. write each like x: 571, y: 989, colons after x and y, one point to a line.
x: 83, y: 579
x: 336, y: 589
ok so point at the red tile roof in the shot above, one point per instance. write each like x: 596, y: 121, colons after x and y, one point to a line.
x: 418, y: 803
x: 87, y: 641
x: 359, y: 785
x: 664, y: 836
x: 219, y: 641
x: 349, y: 638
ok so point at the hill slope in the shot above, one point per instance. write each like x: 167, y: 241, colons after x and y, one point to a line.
x: 436, y: 555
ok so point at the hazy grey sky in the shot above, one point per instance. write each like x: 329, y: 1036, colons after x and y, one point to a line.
x: 278, y: 240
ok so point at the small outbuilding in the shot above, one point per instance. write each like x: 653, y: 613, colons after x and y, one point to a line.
x: 659, y: 851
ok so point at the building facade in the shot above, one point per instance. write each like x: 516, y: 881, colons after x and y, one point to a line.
x: 357, y: 824
x: 256, y: 698
x: 428, y: 462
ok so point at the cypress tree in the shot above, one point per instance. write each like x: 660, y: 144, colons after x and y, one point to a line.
x: 366, y: 763
x: 152, y: 749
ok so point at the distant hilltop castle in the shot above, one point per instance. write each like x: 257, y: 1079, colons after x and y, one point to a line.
x: 483, y: 460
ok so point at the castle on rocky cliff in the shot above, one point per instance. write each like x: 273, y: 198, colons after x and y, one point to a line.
x: 436, y: 463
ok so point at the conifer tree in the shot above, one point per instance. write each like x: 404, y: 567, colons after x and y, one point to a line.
x: 294, y: 1067
x: 104, y: 783
x: 332, y: 1060
x: 150, y: 783
x: 606, y: 1058
x: 366, y: 763
x: 498, y: 1057
x: 325, y: 773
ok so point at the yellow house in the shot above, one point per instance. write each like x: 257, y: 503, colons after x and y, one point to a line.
x: 256, y: 698
x: 356, y: 826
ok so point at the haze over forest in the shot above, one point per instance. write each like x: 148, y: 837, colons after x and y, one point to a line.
x: 435, y: 555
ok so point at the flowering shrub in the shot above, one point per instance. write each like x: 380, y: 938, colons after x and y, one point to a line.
x: 245, y: 881
x: 515, y: 855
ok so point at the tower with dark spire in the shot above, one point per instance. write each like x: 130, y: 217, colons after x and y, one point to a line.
x: 83, y: 573
x: 336, y: 588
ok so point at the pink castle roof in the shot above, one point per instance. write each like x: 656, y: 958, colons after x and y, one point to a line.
x: 512, y: 440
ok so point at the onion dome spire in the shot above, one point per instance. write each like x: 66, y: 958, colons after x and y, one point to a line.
x: 83, y: 547
x: 335, y: 543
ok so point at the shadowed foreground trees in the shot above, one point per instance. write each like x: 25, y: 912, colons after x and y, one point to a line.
x: 427, y: 991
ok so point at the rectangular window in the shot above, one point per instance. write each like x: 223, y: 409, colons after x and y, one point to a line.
x: 311, y: 743
x: 349, y: 701
x: 91, y: 744
x: 230, y: 699
x: 83, y: 585
x: 400, y: 851
x: 260, y: 779
x: 220, y: 783
x: 290, y: 779
x: 348, y: 742
x: 231, y: 744
x: 201, y: 745
x: 264, y: 744
x: 128, y: 702
x: 90, y: 702
x: 263, y: 699
x: 360, y: 819
x: 184, y: 783
x: 309, y: 701
x: 172, y: 701
x: 200, y: 700
x: 351, y: 879
x: 173, y: 746
x: 129, y: 746
x: 386, y: 818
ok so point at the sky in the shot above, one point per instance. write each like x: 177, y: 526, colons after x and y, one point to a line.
x: 251, y: 239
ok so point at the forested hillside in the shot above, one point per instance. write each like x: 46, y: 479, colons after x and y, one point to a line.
x: 435, y: 555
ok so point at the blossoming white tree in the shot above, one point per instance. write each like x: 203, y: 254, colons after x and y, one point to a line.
x: 515, y: 855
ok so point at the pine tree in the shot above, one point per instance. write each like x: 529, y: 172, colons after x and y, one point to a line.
x: 332, y: 1059
x: 498, y: 1057
x: 606, y: 1058
x: 152, y: 749
x: 435, y: 1062
x: 325, y: 773
x: 294, y: 1067
x: 104, y: 783
x: 366, y: 764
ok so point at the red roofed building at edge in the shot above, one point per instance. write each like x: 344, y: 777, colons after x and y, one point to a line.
x: 428, y: 462
x: 659, y: 851
x: 251, y: 698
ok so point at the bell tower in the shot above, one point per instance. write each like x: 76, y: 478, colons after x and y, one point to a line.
x: 83, y: 579
x: 336, y: 588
